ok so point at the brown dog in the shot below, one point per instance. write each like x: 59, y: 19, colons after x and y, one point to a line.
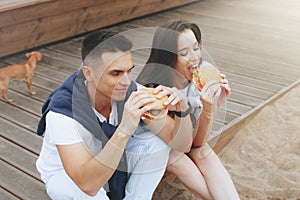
x: 19, y: 71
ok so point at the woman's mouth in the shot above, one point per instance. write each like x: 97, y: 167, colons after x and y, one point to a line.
x: 192, y: 68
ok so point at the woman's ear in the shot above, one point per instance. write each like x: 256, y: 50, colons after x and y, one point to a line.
x: 87, y: 72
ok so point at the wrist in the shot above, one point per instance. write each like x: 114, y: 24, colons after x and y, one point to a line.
x: 184, y: 113
x: 125, y: 132
x: 207, y: 113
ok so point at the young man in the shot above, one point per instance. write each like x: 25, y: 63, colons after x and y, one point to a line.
x: 89, y: 121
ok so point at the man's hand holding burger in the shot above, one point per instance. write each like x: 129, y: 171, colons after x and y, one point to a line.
x: 167, y: 99
x: 170, y: 99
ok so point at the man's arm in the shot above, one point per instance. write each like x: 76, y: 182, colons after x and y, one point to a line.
x: 177, y: 131
x: 90, y: 172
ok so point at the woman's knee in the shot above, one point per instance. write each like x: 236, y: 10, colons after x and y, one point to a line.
x: 200, y: 152
x: 177, y: 162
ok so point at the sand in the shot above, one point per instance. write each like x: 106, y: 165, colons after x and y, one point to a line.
x: 263, y: 158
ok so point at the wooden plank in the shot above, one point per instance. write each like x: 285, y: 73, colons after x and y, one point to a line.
x: 47, y: 8
x: 244, y: 99
x: 254, y: 73
x: 75, y: 62
x: 67, y: 49
x: 225, y: 116
x: 17, y: 156
x: 46, y: 29
x: 255, y: 83
x: 42, y: 70
x: 42, y: 9
x: 20, y: 87
x: 20, y: 117
x: 220, y: 53
x: 24, y: 138
x: 249, y: 90
x: 237, y: 108
x: 263, y: 44
x: 8, y: 5
x: 212, y: 21
x: 6, y: 195
x: 20, y: 184
x: 24, y: 102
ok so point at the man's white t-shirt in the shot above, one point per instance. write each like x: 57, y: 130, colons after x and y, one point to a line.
x: 63, y: 130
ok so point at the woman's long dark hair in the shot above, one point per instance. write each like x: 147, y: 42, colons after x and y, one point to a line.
x: 164, y: 45
x: 163, y: 54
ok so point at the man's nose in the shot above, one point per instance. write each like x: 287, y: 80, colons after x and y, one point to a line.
x: 126, y: 79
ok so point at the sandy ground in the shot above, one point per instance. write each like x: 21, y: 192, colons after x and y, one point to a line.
x: 264, y: 156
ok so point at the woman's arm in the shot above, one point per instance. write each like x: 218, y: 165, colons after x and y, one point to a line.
x: 212, y: 97
x: 175, y: 131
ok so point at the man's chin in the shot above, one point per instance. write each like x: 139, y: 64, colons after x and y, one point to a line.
x: 119, y: 96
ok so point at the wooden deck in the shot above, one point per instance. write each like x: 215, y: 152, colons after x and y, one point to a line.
x: 255, y: 43
x: 26, y: 24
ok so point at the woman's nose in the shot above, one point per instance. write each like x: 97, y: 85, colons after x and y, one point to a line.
x: 194, y: 56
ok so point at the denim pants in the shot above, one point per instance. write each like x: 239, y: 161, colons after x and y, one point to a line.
x: 147, y: 157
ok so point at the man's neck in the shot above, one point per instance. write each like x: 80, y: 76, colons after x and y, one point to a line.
x: 104, y: 108
x: 100, y: 102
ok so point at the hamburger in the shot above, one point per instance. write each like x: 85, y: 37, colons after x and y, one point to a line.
x: 159, y: 110
x: 205, y: 74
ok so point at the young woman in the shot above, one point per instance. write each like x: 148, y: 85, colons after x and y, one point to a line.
x: 176, y: 47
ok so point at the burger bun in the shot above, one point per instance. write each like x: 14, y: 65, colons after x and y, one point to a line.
x: 204, y: 75
x: 160, y: 110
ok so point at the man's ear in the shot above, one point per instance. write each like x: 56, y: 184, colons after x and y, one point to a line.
x: 87, y: 72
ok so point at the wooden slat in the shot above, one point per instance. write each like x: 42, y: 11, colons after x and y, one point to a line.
x: 24, y: 138
x: 54, y: 20
x: 20, y: 184
x: 6, y: 195
x: 17, y: 156
x: 244, y: 99
x: 8, y: 5
x: 249, y: 90
x: 22, y: 118
x: 44, y: 70
x: 24, y: 102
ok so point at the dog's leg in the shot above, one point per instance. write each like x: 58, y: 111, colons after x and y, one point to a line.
x: 7, y: 99
x: 28, y: 81
x: 3, y: 92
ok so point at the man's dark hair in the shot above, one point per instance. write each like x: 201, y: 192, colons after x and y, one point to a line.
x: 100, y: 41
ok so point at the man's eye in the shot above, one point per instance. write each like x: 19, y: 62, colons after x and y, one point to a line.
x: 116, y: 73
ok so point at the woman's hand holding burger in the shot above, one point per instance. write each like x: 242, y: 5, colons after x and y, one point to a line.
x: 213, y: 86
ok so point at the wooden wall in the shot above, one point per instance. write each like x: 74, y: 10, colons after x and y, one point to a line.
x: 25, y: 24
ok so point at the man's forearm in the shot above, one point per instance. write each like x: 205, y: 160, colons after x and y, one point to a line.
x: 182, y: 134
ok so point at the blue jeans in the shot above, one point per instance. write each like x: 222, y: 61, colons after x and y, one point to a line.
x: 147, y: 157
